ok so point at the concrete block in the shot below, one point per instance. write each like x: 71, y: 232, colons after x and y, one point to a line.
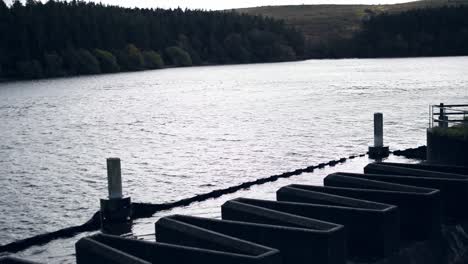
x: 326, y: 240
x: 13, y: 260
x: 430, y: 167
x: 420, y: 208
x: 381, y: 168
x: 116, y: 210
x: 363, y: 227
x: 446, y: 149
x: 453, y: 192
x: 175, y: 232
x: 112, y: 249
x: 296, y: 245
x: 372, y: 228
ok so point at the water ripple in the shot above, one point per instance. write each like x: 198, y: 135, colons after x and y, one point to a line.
x: 181, y: 132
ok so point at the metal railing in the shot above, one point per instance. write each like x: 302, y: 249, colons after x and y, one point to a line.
x: 445, y: 116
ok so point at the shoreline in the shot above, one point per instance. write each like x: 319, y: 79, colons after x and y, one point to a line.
x: 14, y: 80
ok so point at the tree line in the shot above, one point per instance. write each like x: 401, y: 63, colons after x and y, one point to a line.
x: 439, y: 31
x: 59, y: 38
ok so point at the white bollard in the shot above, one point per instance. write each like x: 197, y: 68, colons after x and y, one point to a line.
x: 114, y: 178
x: 378, y: 151
x: 378, y: 130
x: 116, y: 212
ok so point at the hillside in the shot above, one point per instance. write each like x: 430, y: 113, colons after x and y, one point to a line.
x: 322, y: 24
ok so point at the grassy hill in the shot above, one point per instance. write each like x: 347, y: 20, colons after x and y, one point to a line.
x: 324, y: 23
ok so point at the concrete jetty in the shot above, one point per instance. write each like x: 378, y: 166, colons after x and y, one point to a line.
x: 363, y: 218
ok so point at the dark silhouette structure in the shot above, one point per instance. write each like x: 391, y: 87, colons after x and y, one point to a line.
x: 13, y: 260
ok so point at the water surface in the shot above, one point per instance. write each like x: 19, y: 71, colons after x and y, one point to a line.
x: 185, y: 131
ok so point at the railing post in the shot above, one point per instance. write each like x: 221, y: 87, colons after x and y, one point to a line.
x: 378, y: 151
x: 443, y: 123
x: 441, y: 110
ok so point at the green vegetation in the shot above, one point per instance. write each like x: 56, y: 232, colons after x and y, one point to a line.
x: 53, y: 65
x: 421, y: 32
x: 460, y: 132
x: 107, y: 61
x: 331, y: 30
x: 178, y: 56
x: 131, y: 58
x: 86, y: 63
x: 61, y: 38
x: 152, y: 60
x: 29, y: 69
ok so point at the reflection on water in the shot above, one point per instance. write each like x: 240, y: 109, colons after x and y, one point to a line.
x: 181, y: 132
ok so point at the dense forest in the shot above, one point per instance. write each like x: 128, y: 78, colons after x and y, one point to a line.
x: 439, y: 31
x: 61, y: 38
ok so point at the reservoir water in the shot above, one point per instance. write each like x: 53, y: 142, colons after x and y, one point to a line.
x: 185, y: 131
